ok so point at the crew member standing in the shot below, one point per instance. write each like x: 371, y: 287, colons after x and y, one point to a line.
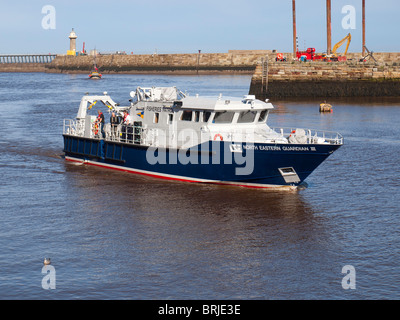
x: 100, y: 122
x: 114, y: 121
x: 127, y: 130
x: 127, y: 118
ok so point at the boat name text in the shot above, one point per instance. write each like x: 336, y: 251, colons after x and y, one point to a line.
x: 278, y: 148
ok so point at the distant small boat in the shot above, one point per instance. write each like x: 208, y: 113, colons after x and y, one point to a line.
x: 95, y: 74
x: 325, y: 107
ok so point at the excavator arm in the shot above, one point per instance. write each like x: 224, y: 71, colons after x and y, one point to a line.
x: 337, y: 45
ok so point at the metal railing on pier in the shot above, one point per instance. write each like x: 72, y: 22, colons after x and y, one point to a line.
x: 27, y: 58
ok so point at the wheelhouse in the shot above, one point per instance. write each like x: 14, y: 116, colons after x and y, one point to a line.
x: 224, y: 111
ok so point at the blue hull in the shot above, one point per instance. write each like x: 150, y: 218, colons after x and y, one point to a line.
x: 214, y: 162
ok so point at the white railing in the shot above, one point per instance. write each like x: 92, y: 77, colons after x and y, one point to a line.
x: 74, y: 127
x: 312, y: 136
x: 158, y: 137
x: 69, y: 127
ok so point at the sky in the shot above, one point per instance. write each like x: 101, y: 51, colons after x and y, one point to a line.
x: 178, y: 26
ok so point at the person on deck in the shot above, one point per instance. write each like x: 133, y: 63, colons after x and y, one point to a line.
x: 100, y: 122
x: 127, y: 118
x: 114, y: 121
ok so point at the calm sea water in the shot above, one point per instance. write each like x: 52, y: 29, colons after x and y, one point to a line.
x: 116, y: 236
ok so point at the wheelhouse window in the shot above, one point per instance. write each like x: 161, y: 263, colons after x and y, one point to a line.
x: 196, y: 116
x: 170, y: 118
x: 247, y: 116
x: 223, y: 117
x: 186, y: 115
x: 156, y: 117
x: 263, y: 116
x: 206, y: 115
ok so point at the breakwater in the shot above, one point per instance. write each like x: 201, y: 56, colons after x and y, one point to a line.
x: 321, y: 79
x: 25, y: 62
x: 23, y: 67
x: 196, y: 63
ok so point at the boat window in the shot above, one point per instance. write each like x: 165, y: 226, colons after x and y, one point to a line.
x: 247, y: 116
x: 197, y: 116
x: 177, y: 104
x: 186, y: 115
x: 156, y: 117
x: 206, y: 116
x: 263, y: 116
x: 223, y: 117
x: 170, y: 118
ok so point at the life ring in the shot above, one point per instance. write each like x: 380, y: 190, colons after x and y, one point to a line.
x: 293, y: 132
x: 96, y: 128
x: 218, y: 136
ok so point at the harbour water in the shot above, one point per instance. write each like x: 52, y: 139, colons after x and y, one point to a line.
x: 112, y: 235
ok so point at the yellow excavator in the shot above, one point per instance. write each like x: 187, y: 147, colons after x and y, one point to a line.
x: 333, y: 56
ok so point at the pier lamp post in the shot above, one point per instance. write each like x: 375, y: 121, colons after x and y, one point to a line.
x: 198, y: 62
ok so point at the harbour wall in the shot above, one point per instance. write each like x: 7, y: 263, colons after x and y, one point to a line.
x: 321, y: 79
x: 234, y: 61
x: 23, y: 67
x: 203, y: 63
x: 352, y: 57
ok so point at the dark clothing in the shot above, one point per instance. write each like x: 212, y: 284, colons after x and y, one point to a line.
x: 100, y: 118
x: 114, y: 120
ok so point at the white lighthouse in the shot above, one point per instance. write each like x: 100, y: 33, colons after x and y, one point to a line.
x: 72, y: 43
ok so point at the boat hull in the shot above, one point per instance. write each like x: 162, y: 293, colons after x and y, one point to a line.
x: 95, y: 76
x: 250, y: 165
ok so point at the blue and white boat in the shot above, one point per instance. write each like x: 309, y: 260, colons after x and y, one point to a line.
x: 174, y: 136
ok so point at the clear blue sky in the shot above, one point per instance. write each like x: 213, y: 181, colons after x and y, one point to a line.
x: 185, y: 26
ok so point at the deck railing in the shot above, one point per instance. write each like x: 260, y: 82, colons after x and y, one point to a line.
x: 138, y: 134
x: 313, y: 136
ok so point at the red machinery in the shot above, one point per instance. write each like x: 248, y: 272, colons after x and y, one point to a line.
x: 280, y: 57
x: 309, y: 54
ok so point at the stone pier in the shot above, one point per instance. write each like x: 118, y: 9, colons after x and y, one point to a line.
x: 191, y: 63
x: 322, y: 79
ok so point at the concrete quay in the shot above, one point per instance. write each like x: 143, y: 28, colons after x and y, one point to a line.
x: 322, y: 79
